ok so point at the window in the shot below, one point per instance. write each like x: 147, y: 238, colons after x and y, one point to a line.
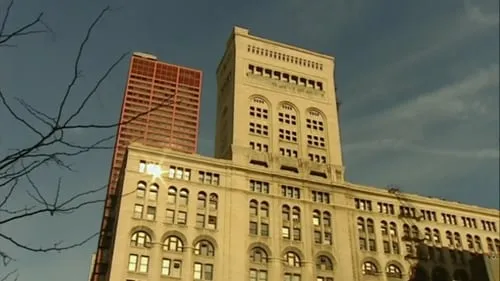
x: 321, y: 197
x: 173, y: 243
x: 477, y: 242
x: 170, y: 215
x: 291, y: 259
x: 361, y: 204
x: 264, y: 209
x: 253, y: 228
x: 172, y: 194
x: 292, y: 277
x: 171, y: 268
x: 141, y: 189
x: 212, y: 222
x: 213, y: 201
x: 138, y: 263
x: 140, y: 239
x: 258, y: 255
x: 253, y: 208
x: 264, y: 229
x: 153, y: 192
x: 208, y: 178
x: 324, y: 263
x: 179, y: 173
x: 369, y: 268
x: 202, y: 200
x: 151, y: 213
x: 203, y: 271
x: 287, y: 135
x: 200, y: 220
x: 183, y: 197
x: 204, y: 248
x: 181, y: 217
x: 290, y: 191
x: 138, y: 209
x: 393, y: 271
x: 258, y: 129
x: 258, y: 275
x: 259, y: 186
x: 316, y: 218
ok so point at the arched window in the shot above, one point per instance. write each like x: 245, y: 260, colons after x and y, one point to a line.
x: 449, y: 238
x: 428, y: 235
x: 153, y: 192
x: 369, y: 226
x: 393, y: 229
x: 497, y: 245
x: 324, y: 263
x: 406, y: 230
x: 258, y: 255
x: 292, y: 259
x: 414, y: 231
x: 202, y: 200
x: 183, y: 197
x: 204, y: 248
x: 296, y: 214
x: 173, y: 243
x: 140, y: 239
x: 213, y: 202
x: 384, y: 228
x: 477, y: 241
x: 264, y: 209
x: 254, y: 208
x: 393, y: 271
x: 172, y: 194
x: 316, y: 218
x: 458, y: 240
x: 361, y: 225
x: 436, y: 237
x: 327, y: 219
x: 489, y: 242
x: 141, y: 189
x: 285, y: 211
x: 369, y: 268
x: 470, y: 242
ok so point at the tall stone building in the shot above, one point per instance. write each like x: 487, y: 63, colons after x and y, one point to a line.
x: 274, y: 204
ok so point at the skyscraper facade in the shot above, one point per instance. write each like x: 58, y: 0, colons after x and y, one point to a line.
x: 160, y: 109
x: 274, y: 204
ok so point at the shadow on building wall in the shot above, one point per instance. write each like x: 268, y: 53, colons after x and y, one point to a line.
x: 444, y: 264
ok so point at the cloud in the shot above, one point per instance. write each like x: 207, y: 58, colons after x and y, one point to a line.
x: 460, y: 100
x: 394, y: 144
x: 476, y: 14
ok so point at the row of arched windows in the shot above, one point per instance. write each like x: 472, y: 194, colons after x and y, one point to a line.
x: 177, y: 196
x: 172, y: 243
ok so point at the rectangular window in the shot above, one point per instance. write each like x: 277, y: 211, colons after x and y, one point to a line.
x: 285, y: 232
x: 165, y: 267
x: 170, y: 216
x: 212, y: 222
x: 296, y: 234
x: 151, y: 213
x: 203, y: 271
x: 317, y: 237
x: 144, y: 264
x: 200, y: 220
x: 142, y: 166
x: 264, y: 229
x: 253, y: 228
x: 328, y: 238
x: 138, y: 209
x: 181, y: 217
x: 132, y: 262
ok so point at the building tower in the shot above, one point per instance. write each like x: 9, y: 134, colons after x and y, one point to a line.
x: 276, y: 98
x: 161, y: 109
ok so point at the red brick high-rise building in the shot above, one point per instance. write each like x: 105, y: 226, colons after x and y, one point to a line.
x: 160, y: 108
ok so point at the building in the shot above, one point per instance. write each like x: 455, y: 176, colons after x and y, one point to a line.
x: 160, y: 109
x: 274, y: 204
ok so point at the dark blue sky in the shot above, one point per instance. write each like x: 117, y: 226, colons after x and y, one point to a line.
x: 418, y: 81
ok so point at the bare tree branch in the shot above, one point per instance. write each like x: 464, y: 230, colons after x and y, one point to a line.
x: 50, y: 146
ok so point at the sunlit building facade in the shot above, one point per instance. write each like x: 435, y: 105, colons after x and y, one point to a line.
x: 274, y: 204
